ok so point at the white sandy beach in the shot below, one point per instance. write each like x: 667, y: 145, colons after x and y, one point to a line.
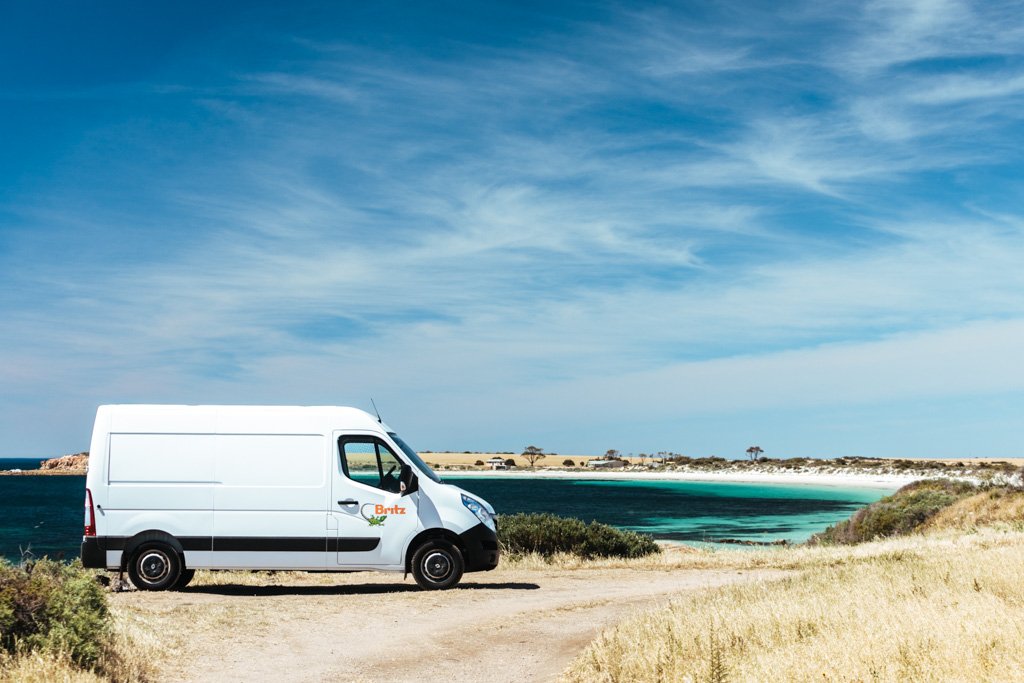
x: 836, y: 479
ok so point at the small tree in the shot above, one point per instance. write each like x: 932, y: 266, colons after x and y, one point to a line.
x: 533, y: 454
x: 611, y: 454
x: 510, y: 463
x: 568, y: 463
x: 754, y: 452
x: 479, y: 463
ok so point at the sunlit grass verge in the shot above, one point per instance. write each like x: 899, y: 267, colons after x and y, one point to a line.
x: 998, y: 507
x: 912, y: 609
x: 54, y: 616
x: 42, y: 667
x: 548, y: 535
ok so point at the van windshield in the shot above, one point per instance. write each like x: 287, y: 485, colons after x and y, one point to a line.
x: 416, y: 459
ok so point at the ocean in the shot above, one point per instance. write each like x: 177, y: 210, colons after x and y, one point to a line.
x: 43, y: 514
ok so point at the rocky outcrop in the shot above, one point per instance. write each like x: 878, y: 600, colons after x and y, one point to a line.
x: 77, y: 463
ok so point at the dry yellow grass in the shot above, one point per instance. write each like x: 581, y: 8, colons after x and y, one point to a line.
x: 133, y: 651
x: 998, y: 508
x: 470, y: 459
x: 790, y: 558
x: 927, y: 608
x: 976, y: 461
x: 35, y: 667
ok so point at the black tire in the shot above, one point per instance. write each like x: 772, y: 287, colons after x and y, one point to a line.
x: 185, y: 579
x: 155, y: 566
x: 437, y: 565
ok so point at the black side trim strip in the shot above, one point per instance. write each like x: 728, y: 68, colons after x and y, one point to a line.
x: 352, y: 545
x: 196, y: 542
x: 268, y: 544
x: 259, y: 544
x: 111, y: 542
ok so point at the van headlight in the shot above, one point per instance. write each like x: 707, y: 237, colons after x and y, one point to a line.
x: 478, y: 509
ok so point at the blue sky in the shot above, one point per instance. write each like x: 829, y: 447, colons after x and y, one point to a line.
x: 691, y: 227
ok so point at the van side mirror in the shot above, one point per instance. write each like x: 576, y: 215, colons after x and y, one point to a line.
x: 407, y: 481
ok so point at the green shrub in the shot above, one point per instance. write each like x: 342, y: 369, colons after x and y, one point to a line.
x: 53, y: 607
x: 899, y: 514
x: 547, y: 534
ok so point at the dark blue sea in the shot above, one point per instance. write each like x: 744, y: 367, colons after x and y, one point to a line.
x: 40, y: 514
x: 43, y: 514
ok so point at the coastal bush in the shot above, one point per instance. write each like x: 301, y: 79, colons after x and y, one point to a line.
x: 547, y: 535
x: 53, y: 607
x: 904, y: 512
x: 55, y: 626
x: 712, y: 462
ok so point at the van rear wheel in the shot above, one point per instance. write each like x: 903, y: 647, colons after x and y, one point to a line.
x: 437, y: 565
x: 185, y: 579
x: 155, y: 566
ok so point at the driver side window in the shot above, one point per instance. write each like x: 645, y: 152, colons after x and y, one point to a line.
x: 368, y: 461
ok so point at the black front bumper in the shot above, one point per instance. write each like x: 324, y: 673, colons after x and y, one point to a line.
x: 94, y: 555
x: 480, y: 549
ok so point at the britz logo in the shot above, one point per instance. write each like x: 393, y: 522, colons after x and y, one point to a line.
x: 380, y: 513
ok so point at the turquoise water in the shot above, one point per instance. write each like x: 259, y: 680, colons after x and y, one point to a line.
x: 44, y: 513
x: 683, y: 511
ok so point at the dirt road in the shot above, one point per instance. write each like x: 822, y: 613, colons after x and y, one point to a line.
x: 507, y: 625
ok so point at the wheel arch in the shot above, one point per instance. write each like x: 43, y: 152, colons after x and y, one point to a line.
x: 431, y: 535
x: 132, y: 544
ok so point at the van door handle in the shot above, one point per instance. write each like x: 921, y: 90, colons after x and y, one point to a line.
x: 348, y: 501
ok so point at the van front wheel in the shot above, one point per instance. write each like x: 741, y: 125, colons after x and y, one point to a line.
x: 437, y: 565
x: 154, y: 566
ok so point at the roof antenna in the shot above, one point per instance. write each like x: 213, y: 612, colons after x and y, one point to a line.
x: 376, y: 411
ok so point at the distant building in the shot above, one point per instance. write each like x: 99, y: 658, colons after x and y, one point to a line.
x: 497, y: 463
x: 606, y: 464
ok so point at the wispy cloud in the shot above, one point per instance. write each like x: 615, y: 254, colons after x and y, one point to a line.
x: 953, y: 89
x: 689, y: 214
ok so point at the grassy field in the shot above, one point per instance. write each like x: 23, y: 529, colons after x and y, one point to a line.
x: 946, y: 606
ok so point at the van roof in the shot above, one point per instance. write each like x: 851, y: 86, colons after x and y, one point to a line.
x: 219, y: 418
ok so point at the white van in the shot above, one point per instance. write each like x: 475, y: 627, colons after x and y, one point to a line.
x: 172, y: 489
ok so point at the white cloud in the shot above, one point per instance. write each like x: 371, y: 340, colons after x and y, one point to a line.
x: 975, y: 359
x: 954, y: 89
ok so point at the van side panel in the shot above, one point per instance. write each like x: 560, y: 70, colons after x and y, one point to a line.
x: 158, y: 458
x: 161, y: 472
x: 271, y: 472
x: 271, y: 501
